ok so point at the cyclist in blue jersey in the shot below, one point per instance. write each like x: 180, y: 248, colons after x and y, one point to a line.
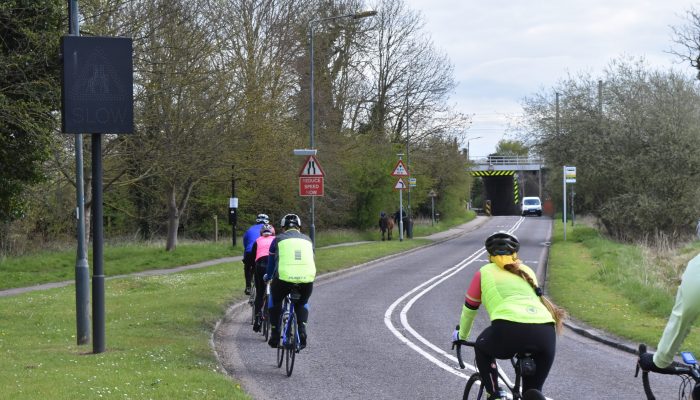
x: 685, y: 311
x: 249, y: 238
x: 290, y: 265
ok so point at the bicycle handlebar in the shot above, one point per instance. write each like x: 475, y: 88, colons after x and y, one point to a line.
x: 645, y: 374
x: 458, y: 345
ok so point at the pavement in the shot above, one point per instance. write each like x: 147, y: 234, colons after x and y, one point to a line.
x: 575, y: 326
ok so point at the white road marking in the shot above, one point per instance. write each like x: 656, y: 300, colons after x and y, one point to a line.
x: 417, y: 292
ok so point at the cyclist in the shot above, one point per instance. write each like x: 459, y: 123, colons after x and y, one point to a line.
x: 261, y: 249
x: 249, y: 238
x: 685, y: 311
x: 522, y: 319
x: 291, y: 264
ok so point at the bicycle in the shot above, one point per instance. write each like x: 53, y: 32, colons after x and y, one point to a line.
x: 688, y: 371
x: 265, y: 313
x: 251, y: 301
x: 289, y: 335
x: 523, y: 364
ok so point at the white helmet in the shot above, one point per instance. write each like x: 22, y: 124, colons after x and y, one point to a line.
x: 262, y: 219
x: 290, y: 220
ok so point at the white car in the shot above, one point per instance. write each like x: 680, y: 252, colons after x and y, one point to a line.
x: 531, y: 205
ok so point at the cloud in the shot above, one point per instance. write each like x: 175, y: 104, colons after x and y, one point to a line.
x: 505, y: 50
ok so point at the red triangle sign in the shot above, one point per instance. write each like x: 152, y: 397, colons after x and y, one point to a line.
x: 400, y: 169
x: 311, y: 168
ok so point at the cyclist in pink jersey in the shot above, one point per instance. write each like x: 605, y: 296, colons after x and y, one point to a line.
x: 261, y: 250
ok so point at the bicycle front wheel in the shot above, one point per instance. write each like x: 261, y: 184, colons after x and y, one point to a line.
x: 474, y: 390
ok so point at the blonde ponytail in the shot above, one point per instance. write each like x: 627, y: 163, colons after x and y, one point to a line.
x: 558, y: 313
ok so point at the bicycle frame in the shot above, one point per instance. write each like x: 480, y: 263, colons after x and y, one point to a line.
x: 515, y: 388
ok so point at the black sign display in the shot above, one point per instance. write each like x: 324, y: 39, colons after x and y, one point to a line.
x: 97, y: 93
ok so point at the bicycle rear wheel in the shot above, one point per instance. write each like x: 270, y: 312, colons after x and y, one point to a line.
x: 266, y: 322
x: 280, y: 346
x: 474, y: 390
x: 291, y: 346
x: 251, y: 301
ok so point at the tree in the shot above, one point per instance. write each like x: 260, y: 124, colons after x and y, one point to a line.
x: 29, y: 94
x: 511, y: 148
x: 634, y: 151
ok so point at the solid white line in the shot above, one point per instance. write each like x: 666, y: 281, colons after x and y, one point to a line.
x: 427, y: 286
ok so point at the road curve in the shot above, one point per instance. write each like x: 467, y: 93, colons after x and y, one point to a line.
x: 383, y: 332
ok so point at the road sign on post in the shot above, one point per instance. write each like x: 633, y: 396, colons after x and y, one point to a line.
x: 400, y: 169
x: 310, y: 186
x: 311, y: 178
x: 400, y: 185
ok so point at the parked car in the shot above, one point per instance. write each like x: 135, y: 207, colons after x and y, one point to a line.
x: 531, y: 205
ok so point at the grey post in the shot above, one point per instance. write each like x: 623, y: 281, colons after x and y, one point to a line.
x: 82, y: 275
x: 363, y: 14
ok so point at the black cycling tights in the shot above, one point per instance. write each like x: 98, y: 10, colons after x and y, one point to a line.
x: 503, y: 339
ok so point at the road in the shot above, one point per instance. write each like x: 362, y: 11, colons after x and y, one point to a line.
x: 383, y: 332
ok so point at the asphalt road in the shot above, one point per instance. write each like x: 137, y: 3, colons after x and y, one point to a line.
x: 383, y: 332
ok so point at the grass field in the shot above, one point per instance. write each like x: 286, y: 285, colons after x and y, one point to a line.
x: 157, y: 328
x: 615, y: 287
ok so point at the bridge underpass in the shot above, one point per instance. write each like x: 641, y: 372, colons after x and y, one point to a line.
x: 503, y: 180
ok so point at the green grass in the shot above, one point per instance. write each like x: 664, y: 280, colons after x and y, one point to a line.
x: 157, y: 334
x: 607, y: 285
x: 123, y: 259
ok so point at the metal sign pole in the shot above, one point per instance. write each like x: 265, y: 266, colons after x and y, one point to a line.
x: 564, y: 199
x: 82, y: 272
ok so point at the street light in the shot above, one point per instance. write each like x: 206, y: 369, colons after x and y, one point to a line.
x: 469, y: 140
x: 312, y: 144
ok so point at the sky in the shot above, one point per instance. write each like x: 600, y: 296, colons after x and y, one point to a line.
x: 506, y: 50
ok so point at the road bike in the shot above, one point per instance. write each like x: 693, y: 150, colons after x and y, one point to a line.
x: 523, y: 364
x: 265, y: 312
x: 688, y: 371
x: 289, y: 342
x: 251, y: 301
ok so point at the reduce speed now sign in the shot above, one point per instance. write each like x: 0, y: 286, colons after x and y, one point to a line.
x: 311, y: 178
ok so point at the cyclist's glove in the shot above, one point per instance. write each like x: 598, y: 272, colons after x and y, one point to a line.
x: 646, y: 362
x: 455, y: 335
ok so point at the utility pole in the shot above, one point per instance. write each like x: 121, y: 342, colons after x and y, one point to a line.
x: 82, y: 268
x: 233, y: 207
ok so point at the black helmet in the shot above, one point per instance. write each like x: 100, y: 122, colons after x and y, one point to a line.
x: 262, y: 219
x: 291, y: 220
x: 502, y: 243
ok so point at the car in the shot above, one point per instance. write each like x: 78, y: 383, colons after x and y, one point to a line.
x: 531, y: 205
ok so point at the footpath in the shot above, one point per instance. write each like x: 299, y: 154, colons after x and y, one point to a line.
x: 573, y: 325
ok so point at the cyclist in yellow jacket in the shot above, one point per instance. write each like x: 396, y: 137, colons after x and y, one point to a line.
x: 290, y: 265
x: 522, y: 320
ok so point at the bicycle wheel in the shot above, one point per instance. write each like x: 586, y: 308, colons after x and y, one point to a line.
x: 280, y: 345
x: 251, y: 301
x: 474, y: 390
x: 266, y: 322
x: 291, y: 346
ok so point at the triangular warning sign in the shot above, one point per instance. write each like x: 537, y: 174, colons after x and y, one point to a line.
x: 311, y: 168
x: 400, y: 185
x: 400, y: 169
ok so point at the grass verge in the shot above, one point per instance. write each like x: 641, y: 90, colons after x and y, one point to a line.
x: 157, y: 335
x: 607, y: 285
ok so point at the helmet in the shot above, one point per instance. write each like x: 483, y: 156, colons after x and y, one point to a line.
x: 291, y: 220
x: 267, y: 228
x: 502, y: 243
x: 262, y: 219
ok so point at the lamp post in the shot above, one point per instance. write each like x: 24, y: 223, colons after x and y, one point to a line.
x: 469, y: 140
x: 312, y: 143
